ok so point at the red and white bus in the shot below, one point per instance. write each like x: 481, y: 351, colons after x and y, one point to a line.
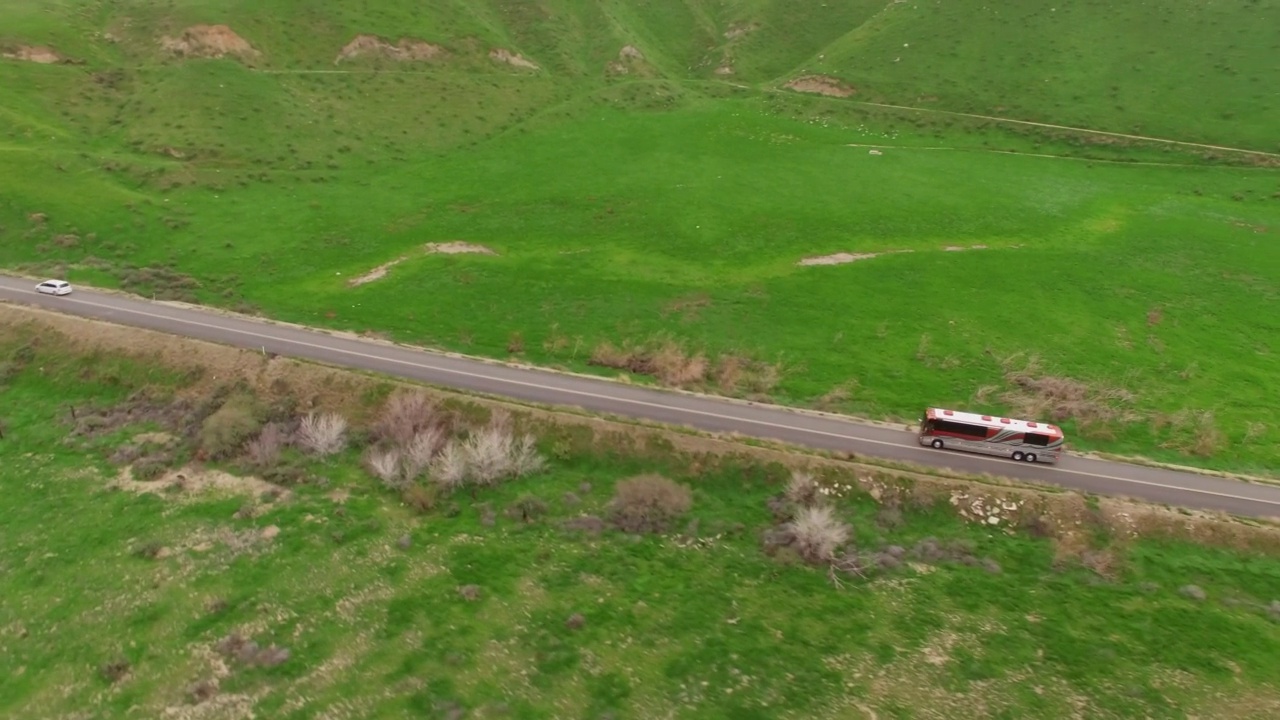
x: 991, y: 435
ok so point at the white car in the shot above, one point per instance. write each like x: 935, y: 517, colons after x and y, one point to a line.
x: 54, y: 287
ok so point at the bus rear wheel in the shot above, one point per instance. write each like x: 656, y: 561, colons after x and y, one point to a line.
x: 1031, y: 457
x: 937, y: 444
x: 1017, y: 456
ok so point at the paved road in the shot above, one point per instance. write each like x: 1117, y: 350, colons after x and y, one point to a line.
x: 605, y: 396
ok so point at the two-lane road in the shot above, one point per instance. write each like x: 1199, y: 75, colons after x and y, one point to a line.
x: 606, y: 396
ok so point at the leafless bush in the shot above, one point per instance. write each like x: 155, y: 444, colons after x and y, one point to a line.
x: 449, y: 468
x: 420, y: 451
x: 803, y: 488
x: 817, y: 532
x: 406, y: 414
x: 648, y: 503
x: 324, y: 434
x: 488, y: 451
x: 488, y: 456
x: 264, y: 450
x: 384, y: 463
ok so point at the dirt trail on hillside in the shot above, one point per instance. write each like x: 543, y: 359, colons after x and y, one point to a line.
x: 1105, y: 133
x: 34, y: 53
x: 405, y: 50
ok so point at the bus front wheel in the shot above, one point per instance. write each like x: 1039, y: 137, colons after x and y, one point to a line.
x: 937, y: 444
x: 1031, y: 457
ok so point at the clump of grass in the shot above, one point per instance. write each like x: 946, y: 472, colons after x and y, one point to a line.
x: 421, y: 499
x: 648, y: 503
x: 115, y: 671
x: 527, y: 508
x: 1191, y: 433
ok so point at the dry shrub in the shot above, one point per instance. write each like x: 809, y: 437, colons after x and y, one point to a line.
x: 648, y: 503
x: 674, y: 366
x: 405, y: 415
x: 803, y: 488
x: 225, y: 432
x: 486, y: 457
x: 449, y: 468
x: 323, y: 434
x: 384, y: 463
x: 816, y: 533
x: 264, y: 450
x: 667, y: 360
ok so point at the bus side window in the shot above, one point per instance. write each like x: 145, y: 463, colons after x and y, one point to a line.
x: 1034, y: 439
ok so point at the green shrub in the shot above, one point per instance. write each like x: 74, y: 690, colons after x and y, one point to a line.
x: 225, y: 432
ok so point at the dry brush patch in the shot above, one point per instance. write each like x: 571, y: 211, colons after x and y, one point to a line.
x: 674, y: 364
x: 1034, y: 394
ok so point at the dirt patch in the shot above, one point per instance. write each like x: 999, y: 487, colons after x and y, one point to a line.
x: 34, y: 53
x: 209, y: 41
x: 821, y: 85
x: 513, y: 59
x: 405, y: 50
x: 724, y: 70
x: 457, y: 247
x: 162, y: 439
x: 375, y: 274
x: 629, y: 57
x: 837, y: 259
x: 196, y: 481
x: 737, y: 30
x: 957, y: 248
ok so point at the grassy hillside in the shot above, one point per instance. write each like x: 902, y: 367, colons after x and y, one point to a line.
x: 1202, y: 72
x: 201, y: 590
x: 644, y: 205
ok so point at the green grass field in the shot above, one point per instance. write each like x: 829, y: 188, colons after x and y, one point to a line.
x: 1125, y: 289
x: 126, y: 601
